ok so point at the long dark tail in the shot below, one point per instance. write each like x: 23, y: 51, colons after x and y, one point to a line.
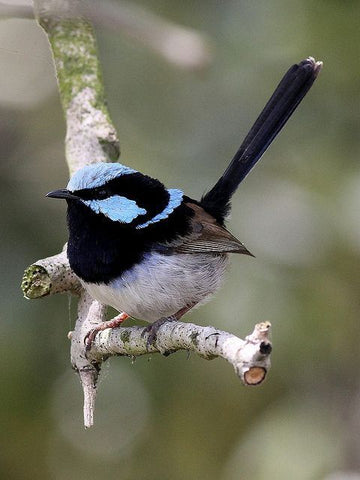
x: 286, y: 97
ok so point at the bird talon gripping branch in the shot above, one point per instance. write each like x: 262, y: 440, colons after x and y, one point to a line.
x: 115, y: 322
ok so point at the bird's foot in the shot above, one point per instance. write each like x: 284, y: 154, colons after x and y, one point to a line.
x: 115, y: 322
x: 152, y: 329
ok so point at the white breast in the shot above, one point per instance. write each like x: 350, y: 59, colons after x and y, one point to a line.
x: 163, y: 284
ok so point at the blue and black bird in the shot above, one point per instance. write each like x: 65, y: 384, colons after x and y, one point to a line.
x: 151, y: 251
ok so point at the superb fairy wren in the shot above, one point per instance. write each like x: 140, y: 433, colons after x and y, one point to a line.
x: 153, y: 252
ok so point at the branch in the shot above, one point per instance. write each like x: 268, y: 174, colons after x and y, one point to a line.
x: 91, y: 138
x: 249, y: 357
x: 50, y: 276
x: 90, y: 313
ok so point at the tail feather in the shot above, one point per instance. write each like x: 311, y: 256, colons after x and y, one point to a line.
x: 286, y: 97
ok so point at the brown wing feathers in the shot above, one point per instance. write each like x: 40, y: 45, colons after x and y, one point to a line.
x: 208, y: 236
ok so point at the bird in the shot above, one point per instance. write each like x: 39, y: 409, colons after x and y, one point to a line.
x: 152, y: 252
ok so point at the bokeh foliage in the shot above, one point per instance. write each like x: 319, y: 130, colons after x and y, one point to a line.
x: 297, y: 212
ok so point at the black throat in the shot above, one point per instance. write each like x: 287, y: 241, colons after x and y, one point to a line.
x: 100, y: 249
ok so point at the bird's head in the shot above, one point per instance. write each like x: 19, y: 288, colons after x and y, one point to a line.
x: 120, y: 194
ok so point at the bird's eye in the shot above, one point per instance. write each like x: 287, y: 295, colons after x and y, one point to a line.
x: 102, y: 193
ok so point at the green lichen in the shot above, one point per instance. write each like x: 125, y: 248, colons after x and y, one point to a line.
x: 125, y: 336
x: 111, y: 149
x: 75, y: 54
x: 36, y: 282
x: 74, y: 49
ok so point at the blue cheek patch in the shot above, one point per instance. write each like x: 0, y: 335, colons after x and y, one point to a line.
x: 175, y: 199
x: 117, y: 208
x: 96, y: 175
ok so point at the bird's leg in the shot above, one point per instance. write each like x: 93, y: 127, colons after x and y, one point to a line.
x: 184, y: 310
x: 153, y: 328
x: 115, y: 322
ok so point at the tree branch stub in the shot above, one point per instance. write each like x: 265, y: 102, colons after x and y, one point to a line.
x: 49, y: 276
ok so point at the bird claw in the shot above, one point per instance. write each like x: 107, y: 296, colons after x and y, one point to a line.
x: 115, y: 322
x: 152, y: 330
x: 90, y: 337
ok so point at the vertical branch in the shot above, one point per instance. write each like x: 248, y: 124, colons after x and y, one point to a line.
x: 90, y: 138
x: 90, y: 134
x: 89, y: 313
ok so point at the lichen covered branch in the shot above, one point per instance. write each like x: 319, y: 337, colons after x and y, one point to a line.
x: 49, y: 276
x: 90, y: 138
x: 90, y: 134
x: 250, y: 357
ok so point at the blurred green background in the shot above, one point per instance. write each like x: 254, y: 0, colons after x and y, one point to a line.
x: 298, y: 212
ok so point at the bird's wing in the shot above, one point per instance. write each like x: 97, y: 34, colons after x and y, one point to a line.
x: 208, y: 236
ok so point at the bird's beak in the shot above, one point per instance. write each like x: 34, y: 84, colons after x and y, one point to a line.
x: 62, y: 193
